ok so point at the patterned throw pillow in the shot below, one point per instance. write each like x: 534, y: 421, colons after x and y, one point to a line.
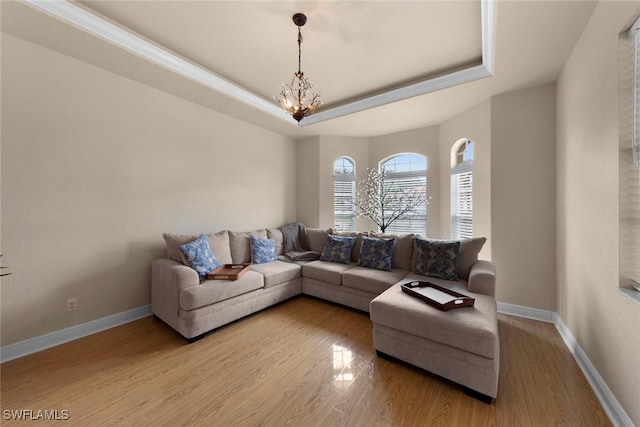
x: 262, y: 250
x: 338, y: 249
x: 376, y: 253
x: 199, y: 256
x: 437, y: 258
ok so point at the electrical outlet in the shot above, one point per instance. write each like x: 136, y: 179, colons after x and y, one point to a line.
x: 72, y: 304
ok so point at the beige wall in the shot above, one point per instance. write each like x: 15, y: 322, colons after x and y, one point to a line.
x: 473, y: 124
x: 523, y: 196
x: 420, y: 141
x: 96, y: 167
x: 308, y: 186
x: 604, y: 322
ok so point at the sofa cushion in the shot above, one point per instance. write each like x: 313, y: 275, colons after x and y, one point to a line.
x: 368, y: 279
x: 338, y: 249
x: 402, y: 249
x: 325, y: 271
x: 376, y: 253
x: 213, y: 291
x: 355, y: 254
x: 262, y: 250
x: 199, y: 256
x: 317, y: 238
x: 472, y: 329
x: 219, y: 243
x: 174, y: 241
x: 240, y: 245
x: 437, y: 258
x: 469, y: 250
x: 276, y: 235
x: 277, y: 272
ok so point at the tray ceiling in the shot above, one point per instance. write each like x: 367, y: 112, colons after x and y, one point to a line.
x: 381, y: 66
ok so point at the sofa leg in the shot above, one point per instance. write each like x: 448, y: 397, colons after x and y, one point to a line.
x: 194, y: 339
x: 477, y: 395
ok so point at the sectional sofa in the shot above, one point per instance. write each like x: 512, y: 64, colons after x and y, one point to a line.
x: 469, y: 340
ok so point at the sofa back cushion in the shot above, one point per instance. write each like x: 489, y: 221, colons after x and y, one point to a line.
x: 402, y: 250
x: 174, y: 241
x: 469, y: 250
x: 240, y: 245
x: 317, y: 238
x: 276, y: 235
x: 219, y: 243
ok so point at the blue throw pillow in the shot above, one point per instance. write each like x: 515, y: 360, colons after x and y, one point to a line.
x: 199, y: 256
x: 376, y: 253
x: 262, y: 250
x: 338, y: 249
x: 437, y: 258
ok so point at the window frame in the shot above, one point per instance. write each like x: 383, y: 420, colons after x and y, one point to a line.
x: 340, y: 182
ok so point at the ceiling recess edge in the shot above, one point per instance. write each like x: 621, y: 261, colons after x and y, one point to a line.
x: 116, y: 35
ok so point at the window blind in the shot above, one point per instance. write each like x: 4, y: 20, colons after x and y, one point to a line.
x: 408, y: 182
x: 634, y: 33
x: 630, y: 182
x: 461, y: 202
x: 344, y: 193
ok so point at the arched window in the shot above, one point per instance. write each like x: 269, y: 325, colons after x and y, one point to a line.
x: 344, y: 193
x: 462, y: 189
x: 406, y: 177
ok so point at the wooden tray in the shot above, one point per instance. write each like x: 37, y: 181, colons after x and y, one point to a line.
x: 228, y: 272
x: 437, y: 296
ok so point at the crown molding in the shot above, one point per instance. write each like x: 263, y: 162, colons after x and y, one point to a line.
x: 98, y: 26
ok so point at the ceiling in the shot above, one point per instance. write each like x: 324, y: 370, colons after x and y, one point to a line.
x: 376, y: 55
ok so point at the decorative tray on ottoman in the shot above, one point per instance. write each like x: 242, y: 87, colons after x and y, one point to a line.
x: 437, y: 296
x: 228, y: 272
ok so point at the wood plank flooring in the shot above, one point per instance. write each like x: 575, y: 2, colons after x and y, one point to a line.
x: 301, y: 363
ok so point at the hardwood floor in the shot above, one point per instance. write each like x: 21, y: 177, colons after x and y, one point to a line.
x: 302, y: 363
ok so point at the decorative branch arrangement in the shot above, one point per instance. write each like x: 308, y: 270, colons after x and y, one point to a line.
x: 4, y: 274
x: 383, y: 201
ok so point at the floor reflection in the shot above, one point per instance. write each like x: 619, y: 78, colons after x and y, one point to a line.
x: 342, y: 367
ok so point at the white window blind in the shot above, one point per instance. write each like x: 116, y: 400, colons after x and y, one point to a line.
x: 630, y: 182
x: 462, y: 190
x: 462, y: 201
x: 344, y: 195
x: 407, y: 174
x: 634, y: 33
x: 344, y: 191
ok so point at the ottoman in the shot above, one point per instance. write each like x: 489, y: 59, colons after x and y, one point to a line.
x: 461, y: 345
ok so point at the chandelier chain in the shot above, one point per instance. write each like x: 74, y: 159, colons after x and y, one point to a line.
x: 299, y: 51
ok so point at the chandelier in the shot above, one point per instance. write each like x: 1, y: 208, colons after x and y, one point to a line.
x: 296, y: 98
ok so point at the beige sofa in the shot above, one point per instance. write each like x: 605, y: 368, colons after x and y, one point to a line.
x: 193, y: 308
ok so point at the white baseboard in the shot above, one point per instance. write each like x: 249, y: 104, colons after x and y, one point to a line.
x: 527, y: 312
x: 42, y: 342
x: 616, y: 413
x: 610, y: 404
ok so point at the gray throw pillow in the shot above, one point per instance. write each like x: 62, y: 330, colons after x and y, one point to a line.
x: 437, y: 258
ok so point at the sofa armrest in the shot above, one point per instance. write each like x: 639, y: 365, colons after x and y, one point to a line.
x: 482, y: 278
x: 168, y: 278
